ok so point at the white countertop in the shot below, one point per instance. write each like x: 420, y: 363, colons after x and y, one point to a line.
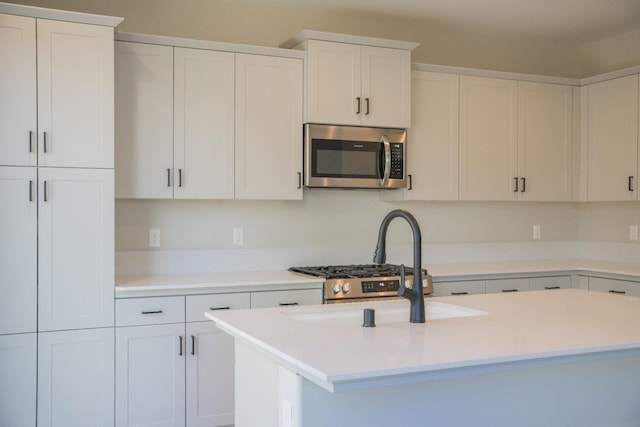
x: 528, y: 328
x: 243, y: 281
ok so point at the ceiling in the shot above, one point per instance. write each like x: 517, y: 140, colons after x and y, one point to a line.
x: 571, y: 21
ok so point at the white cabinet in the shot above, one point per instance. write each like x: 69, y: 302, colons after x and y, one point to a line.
x: 144, y: 120
x: 206, y: 124
x: 612, y: 171
x: 432, y: 140
x: 614, y: 286
x: 150, y: 375
x: 507, y: 285
x: 286, y: 298
x: 210, y: 376
x: 461, y: 287
x: 268, y: 157
x: 75, y: 378
x: 488, y: 138
x: 515, y: 140
x: 18, y: 104
x: 75, y: 248
x: 203, y: 142
x: 73, y: 125
x: 544, y: 141
x: 350, y: 84
x: 18, y: 250
x: 18, y: 362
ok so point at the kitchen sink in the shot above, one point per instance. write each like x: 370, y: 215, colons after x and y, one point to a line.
x: 385, y: 312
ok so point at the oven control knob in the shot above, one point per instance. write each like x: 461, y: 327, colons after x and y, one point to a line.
x: 346, y: 288
x: 336, y: 289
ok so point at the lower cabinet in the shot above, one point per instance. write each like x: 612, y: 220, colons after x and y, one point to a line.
x: 469, y: 287
x: 507, y: 285
x: 462, y: 287
x: 614, y: 286
x: 18, y: 363
x: 75, y: 378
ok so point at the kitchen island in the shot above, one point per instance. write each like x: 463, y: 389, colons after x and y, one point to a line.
x: 545, y: 358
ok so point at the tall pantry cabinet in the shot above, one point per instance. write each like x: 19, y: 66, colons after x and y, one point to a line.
x: 56, y: 208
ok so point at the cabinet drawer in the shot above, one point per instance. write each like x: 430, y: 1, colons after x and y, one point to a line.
x: 464, y: 287
x: 149, y: 311
x: 547, y: 283
x: 198, y: 304
x: 507, y: 285
x: 612, y: 286
x: 284, y: 298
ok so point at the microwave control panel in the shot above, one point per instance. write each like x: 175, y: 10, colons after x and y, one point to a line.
x: 397, y: 162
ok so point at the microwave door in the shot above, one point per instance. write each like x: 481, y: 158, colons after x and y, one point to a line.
x: 384, y: 164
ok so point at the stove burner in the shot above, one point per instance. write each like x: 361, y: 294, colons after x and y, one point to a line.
x: 353, y: 271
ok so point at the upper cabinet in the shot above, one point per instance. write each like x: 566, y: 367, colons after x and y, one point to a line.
x: 488, y: 138
x: 357, y: 81
x: 60, y: 111
x: 515, y: 140
x: 196, y: 123
x: 612, y: 140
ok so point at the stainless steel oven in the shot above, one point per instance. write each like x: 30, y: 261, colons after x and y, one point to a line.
x: 351, y: 283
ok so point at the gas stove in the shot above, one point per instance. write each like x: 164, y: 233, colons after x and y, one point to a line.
x: 350, y: 283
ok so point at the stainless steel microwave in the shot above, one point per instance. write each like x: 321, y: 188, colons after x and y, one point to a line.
x: 354, y: 157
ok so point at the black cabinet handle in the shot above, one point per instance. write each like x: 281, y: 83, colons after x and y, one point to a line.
x: 366, y: 100
x: 31, y: 141
x: 285, y: 304
x: 168, y: 177
x: 179, y: 177
x: 193, y: 345
x: 44, y: 197
x: 631, y: 183
x: 358, y: 101
x: 44, y: 141
x: 410, y: 178
x: 30, y: 190
x: 515, y: 179
x: 180, y: 352
x: 509, y: 290
x: 299, y: 180
x: 460, y: 293
x: 219, y: 308
x: 151, y: 312
x: 524, y: 185
x: 552, y: 287
x: 613, y: 291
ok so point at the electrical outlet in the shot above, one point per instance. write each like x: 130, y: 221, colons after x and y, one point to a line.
x: 154, y: 238
x: 536, y: 232
x: 633, y: 232
x: 238, y: 236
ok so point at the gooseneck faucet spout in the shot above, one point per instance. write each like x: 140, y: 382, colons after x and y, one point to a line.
x: 415, y: 295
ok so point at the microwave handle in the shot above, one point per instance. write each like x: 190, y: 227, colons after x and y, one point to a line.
x: 384, y: 180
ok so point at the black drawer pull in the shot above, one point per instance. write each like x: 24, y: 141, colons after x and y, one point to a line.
x: 152, y: 312
x: 613, y: 291
x: 509, y: 290
x: 285, y: 304
x: 219, y: 308
x: 193, y: 345
x: 552, y: 287
x: 460, y: 293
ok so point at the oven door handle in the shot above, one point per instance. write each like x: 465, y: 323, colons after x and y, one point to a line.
x: 386, y: 172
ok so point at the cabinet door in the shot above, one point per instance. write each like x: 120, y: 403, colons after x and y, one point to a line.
x: 150, y: 376
x: 75, y: 248
x: 144, y: 120
x: 613, y: 140
x: 386, y: 87
x: 204, y: 100
x: 432, y: 140
x: 614, y: 286
x: 544, y: 141
x: 334, y: 73
x: 210, y: 376
x: 18, y: 123
x: 18, y: 365
x: 268, y: 128
x: 18, y: 250
x: 550, y: 283
x: 286, y: 298
x: 76, y: 378
x: 488, y: 138
x: 463, y: 287
x: 507, y: 285
x: 75, y: 94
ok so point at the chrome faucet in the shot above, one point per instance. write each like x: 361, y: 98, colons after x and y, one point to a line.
x: 415, y: 295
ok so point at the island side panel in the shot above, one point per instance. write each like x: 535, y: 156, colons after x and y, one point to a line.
x: 589, y: 394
